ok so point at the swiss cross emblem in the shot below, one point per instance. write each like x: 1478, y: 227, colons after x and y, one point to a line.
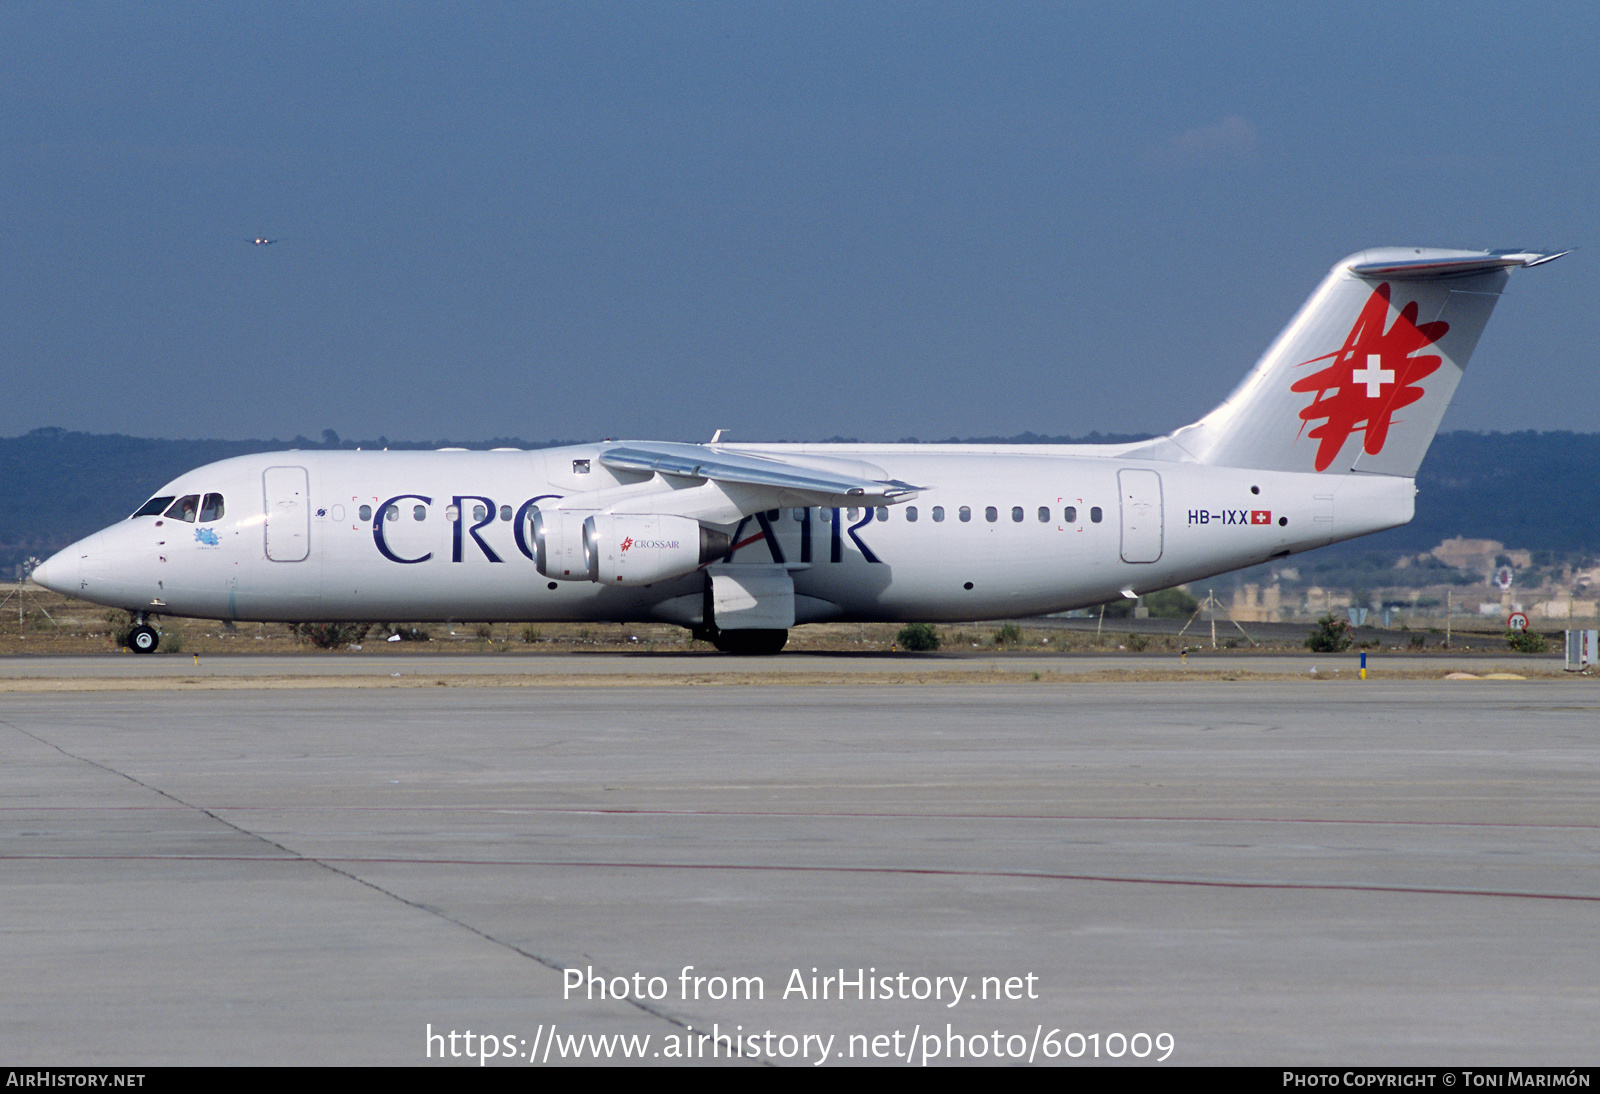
x: 1261, y: 516
x: 1371, y: 376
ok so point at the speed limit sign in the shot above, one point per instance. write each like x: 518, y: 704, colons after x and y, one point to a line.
x: 1517, y: 621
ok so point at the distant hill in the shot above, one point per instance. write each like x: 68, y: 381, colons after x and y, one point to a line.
x: 1537, y: 491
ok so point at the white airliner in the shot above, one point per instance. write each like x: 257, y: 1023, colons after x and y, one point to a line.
x: 740, y: 542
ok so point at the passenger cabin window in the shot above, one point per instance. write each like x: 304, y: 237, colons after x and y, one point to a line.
x: 419, y: 512
x: 185, y: 508
x: 211, y: 509
x: 366, y: 512
x: 911, y: 514
x: 479, y: 513
x: 1044, y: 514
x: 1016, y: 514
x: 991, y: 514
x: 1094, y: 514
x: 392, y: 513
x: 883, y: 512
x: 1071, y: 514
x: 938, y: 514
x: 505, y: 512
x: 153, y: 507
x: 965, y: 513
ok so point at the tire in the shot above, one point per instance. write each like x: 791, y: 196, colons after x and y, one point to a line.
x: 751, y: 643
x: 143, y: 639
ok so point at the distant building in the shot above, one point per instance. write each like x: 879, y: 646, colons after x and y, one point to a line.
x: 1563, y: 607
x: 1254, y: 604
x: 1477, y: 555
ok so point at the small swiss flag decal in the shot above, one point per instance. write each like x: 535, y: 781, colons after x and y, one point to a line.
x: 1261, y: 516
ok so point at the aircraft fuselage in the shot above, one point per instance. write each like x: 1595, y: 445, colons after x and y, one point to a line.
x: 997, y: 532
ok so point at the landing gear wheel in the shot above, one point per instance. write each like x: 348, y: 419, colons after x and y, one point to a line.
x: 143, y: 639
x: 750, y: 643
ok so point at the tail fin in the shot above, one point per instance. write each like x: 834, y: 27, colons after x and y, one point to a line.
x: 1360, y: 378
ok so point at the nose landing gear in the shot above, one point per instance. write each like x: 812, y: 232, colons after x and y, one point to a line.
x: 143, y: 637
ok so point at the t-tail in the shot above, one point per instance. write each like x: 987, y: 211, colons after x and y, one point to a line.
x: 1360, y: 379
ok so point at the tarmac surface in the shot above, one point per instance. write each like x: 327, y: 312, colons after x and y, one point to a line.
x: 65, y: 671
x: 1395, y: 871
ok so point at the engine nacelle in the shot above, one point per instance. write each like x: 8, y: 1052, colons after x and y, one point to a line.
x: 558, y: 544
x: 639, y: 549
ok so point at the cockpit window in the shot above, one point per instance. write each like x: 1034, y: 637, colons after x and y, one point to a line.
x: 185, y: 508
x: 211, y: 508
x: 153, y: 507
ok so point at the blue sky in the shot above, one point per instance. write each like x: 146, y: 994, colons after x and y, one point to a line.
x: 786, y: 220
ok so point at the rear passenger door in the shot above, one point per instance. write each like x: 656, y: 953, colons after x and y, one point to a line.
x: 1141, y: 514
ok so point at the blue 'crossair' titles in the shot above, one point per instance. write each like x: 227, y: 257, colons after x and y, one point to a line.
x: 378, y: 517
x: 455, y: 550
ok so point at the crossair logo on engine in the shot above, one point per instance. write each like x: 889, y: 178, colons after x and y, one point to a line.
x: 651, y: 544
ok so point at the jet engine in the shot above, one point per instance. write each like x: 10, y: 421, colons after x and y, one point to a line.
x: 622, y: 548
x: 628, y: 549
x: 558, y: 544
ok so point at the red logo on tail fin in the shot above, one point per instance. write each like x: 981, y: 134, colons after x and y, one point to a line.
x: 1372, y: 375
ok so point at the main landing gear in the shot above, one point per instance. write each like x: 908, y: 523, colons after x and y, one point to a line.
x: 746, y: 643
x: 143, y: 638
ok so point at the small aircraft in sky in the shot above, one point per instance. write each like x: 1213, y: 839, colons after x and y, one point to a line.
x: 263, y: 241
x: 741, y: 542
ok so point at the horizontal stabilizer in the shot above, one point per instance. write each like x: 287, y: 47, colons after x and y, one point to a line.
x: 1451, y: 264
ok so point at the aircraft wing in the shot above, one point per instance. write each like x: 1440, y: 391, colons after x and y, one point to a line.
x: 816, y: 483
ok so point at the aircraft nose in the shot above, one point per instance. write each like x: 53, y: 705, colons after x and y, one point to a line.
x: 55, y: 573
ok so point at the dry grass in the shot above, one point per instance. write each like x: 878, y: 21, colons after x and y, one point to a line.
x: 50, y: 624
